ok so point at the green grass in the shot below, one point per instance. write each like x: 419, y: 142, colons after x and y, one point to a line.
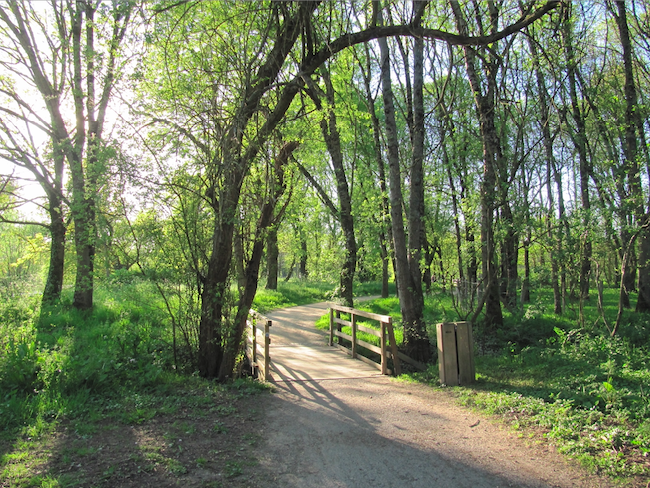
x: 296, y: 293
x: 290, y: 295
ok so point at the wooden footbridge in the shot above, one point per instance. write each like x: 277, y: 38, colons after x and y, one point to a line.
x: 285, y: 345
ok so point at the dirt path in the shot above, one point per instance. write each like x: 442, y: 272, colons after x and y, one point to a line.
x: 345, y: 426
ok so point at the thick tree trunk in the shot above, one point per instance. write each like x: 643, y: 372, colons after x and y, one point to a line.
x: 491, y: 148
x: 631, y: 151
x: 418, y: 345
x: 272, y: 254
x: 332, y: 138
x: 386, y: 238
x: 415, y: 338
x: 235, y: 334
x: 54, y: 283
x: 215, y: 287
x: 238, y: 256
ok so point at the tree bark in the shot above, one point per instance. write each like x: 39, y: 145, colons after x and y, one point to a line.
x: 411, y: 311
x: 54, y: 283
x: 631, y: 152
x: 272, y: 253
x: 580, y: 140
x: 235, y: 334
x: 330, y: 131
x: 489, y: 137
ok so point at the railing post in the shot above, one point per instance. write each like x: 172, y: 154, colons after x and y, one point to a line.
x: 382, y: 346
x: 353, y: 318
x: 338, y: 325
x: 254, y: 336
x: 267, y: 343
x: 397, y: 367
x: 331, y: 342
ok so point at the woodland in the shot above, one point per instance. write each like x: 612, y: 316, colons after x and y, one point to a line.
x: 166, y: 166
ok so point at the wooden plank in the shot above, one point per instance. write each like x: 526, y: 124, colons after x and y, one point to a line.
x: 412, y: 362
x: 343, y: 322
x: 267, y: 343
x: 370, y: 362
x: 361, y: 313
x: 342, y: 335
x: 447, y: 359
x: 253, y: 358
x: 465, y: 348
x: 370, y: 347
x: 369, y: 330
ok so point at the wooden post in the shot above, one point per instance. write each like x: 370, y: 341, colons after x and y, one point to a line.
x: 465, y: 350
x: 382, y: 346
x: 331, y: 342
x: 353, y: 319
x: 267, y: 343
x: 447, y: 357
x: 254, y: 355
x: 397, y: 367
x: 338, y: 326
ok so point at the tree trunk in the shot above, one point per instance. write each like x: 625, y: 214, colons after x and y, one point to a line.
x: 414, y: 338
x: 272, y: 254
x: 332, y: 138
x: 383, y: 251
x: 303, y: 256
x: 491, y: 146
x: 235, y: 334
x: 238, y: 256
x: 580, y: 141
x: 631, y: 150
x: 385, y: 204
x: 54, y: 283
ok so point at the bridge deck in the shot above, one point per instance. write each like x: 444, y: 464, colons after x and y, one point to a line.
x: 299, y: 351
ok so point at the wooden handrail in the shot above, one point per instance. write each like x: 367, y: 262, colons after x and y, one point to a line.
x: 386, y: 336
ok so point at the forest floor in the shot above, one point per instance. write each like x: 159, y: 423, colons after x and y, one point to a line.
x: 316, y: 431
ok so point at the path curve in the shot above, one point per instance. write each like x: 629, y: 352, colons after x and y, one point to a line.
x: 350, y: 427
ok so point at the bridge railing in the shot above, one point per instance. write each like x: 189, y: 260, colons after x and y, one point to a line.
x: 257, y: 344
x: 388, y: 346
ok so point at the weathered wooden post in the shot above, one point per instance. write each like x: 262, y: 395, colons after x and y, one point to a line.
x: 455, y: 353
x: 331, y: 342
x: 267, y: 343
x: 353, y: 319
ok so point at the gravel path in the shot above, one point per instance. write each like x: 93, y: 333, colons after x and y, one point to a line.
x: 356, y: 429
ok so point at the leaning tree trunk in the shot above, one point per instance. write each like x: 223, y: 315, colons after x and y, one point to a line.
x: 234, y: 336
x: 272, y: 254
x: 332, y: 138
